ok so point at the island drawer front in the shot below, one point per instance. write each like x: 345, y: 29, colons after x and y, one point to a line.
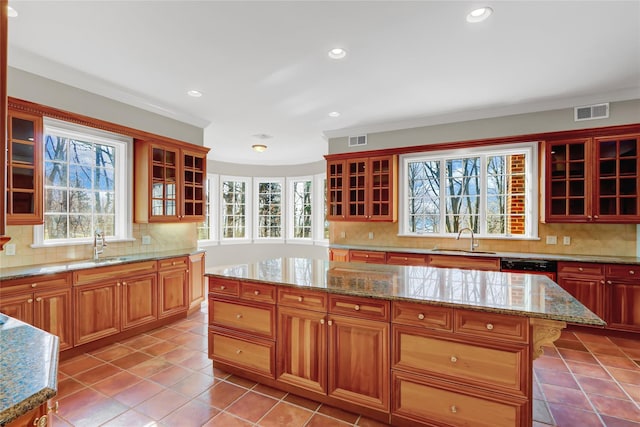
x: 221, y: 286
x: 367, y: 256
x: 366, y: 308
x: 476, y: 363
x: 250, y: 353
x: 258, y: 292
x: 171, y: 263
x: 430, y: 401
x: 399, y: 258
x: 580, y: 269
x: 623, y: 272
x: 467, y: 262
x: 423, y: 315
x: 303, y: 299
x: 492, y: 325
x: 113, y: 272
x: 60, y: 280
x: 243, y: 317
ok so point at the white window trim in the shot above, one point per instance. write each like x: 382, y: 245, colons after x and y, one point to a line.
x: 248, y: 197
x: 290, y: 222
x: 531, y: 183
x: 283, y: 210
x: 213, y: 190
x: 318, y: 209
x: 124, y: 195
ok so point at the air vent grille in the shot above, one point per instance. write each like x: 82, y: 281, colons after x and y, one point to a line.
x: 355, y: 141
x: 591, y: 112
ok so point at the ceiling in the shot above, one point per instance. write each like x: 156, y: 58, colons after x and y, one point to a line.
x: 263, y: 67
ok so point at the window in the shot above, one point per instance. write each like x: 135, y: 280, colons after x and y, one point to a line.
x: 207, y: 229
x: 234, y: 207
x: 301, y: 208
x: 85, y: 184
x: 491, y: 190
x: 269, y: 207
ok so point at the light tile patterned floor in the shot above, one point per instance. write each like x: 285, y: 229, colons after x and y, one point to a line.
x: 164, y: 378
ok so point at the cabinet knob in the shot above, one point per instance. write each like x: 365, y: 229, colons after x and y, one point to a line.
x: 454, y: 409
x: 356, y: 307
x: 118, y: 284
x: 632, y: 272
x: 238, y: 316
x: 366, y: 256
x: 406, y: 259
x: 33, y: 285
x: 421, y: 316
x: 42, y: 421
x: 173, y: 263
x: 602, y: 282
x: 490, y: 326
x: 322, y: 321
x: 300, y: 299
x: 580, y: 269
x: 223, y: 287
x: 596, y: 217
x: 39, y: 299
x: 330, y: 322
x: 609, y: 282
x: 256, y: 292
x: 238, y: 351
x: 30, y: 300
x: 124, y: 283
x: 454, y: 359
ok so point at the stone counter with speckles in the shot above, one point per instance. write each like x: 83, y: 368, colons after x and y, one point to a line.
x: 28, y: 368
x: 530, y: 295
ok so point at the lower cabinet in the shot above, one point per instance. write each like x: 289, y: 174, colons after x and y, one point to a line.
x: 622, y: 293
x: 173, y: 278
x: 97, y: 313
x: 139, y: 301
x: 196, y: 281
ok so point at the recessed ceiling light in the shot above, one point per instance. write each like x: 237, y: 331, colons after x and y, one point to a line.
x: 11, y: 12
x: 194, y: 93
x: 259, y: 147
x: 334, y: 114
x: 479, y: 15
x: 337, y: 53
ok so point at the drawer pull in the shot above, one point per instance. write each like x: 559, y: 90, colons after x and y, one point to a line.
x: 632, y: 272
x: 223, y: 287
x: 356, y: 307
x: 580, y: 269
x: 256, y: 292
x: 330, y: 322
x: 124, y: 283
x: 454, y: 359
x: 53, y: 408
x: 238, y: 351
x: 300, y: 299
x: 490, y: 326
x: 30, y: 300
x: 421, y: 316
x: 33, y: 285
x: 454, y: 409
x: 609, y: 282
x: 39, y: 299
x: 406, y: 259
x: 238, y: 316
x: 322, y: 321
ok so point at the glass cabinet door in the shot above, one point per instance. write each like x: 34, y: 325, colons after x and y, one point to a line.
x: 335, y: 189
x: 164, y: 186
x: 567, y: 179
x: 381, y: 187
x: 194, y: 176
x: 357, y: 188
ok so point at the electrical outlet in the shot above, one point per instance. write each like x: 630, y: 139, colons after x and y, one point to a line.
x: 566, y: 240
x: 371, y: 235
x: 552, y: 240
x: 146, y: 240
x: 10, y: 249
x: 343, y: 234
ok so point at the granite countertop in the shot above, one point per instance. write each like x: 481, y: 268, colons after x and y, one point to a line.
x: 28, y: 368
x: 527, y: 255
x: 62, y: 267
x: 530, y: 295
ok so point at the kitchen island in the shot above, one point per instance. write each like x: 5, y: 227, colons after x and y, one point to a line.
x: 407, y: 345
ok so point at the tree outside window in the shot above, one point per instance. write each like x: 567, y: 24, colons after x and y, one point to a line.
x: 234, y: 209
x: 269, y: 209
x: 302, y: 215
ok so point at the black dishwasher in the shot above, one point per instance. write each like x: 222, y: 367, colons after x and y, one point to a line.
x: 530, y: 266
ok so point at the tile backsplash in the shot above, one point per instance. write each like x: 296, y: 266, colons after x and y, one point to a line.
x: 163, y: 237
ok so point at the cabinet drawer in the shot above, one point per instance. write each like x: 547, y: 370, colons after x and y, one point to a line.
x: 493, y: 325
x: 499, y: 367
x: 303, y: 299
x: 441, y: 403
x: 224, y: 286
x: 623, y: 272
x: 251, y: 354
x: 242, y: 317
x: 368, y: 256
x: 258, y: 292
x: 399, y: 258
x: 366, y: 308
x: 171, y: 263
x: 426, y: 316
x: 35, y: 283
x: 464, y: 262
x: 113, y: 272
x: 580, y: 269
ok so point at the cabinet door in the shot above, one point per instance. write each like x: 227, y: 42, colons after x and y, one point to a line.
x: 381, y: 182
x: 52, y: 313
x: 359, y: 361
x: 139, y: 301
x: 24, y: 169
x: 173, y: 292
x: 196, y: 281
x: 19, y: 307
x: 617, y: 179
x: 356, y: 188
x: 302, y: 349
x: 97, y: 311
x: 588, y: 291
x: 623, y: 303
x: 194, y: 175
x: 164, y: 183
x: 336, y: 190
x: 340, y: 255
x: 568, y: 181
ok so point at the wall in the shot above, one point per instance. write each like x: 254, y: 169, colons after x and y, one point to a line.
x: 586, y: 239
x: 31, y: 87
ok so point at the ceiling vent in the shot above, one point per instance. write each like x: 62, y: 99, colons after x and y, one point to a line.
x: 355, y: 141
x: 591, y: 112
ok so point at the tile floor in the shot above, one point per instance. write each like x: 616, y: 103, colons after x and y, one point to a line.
x: 164, y: 378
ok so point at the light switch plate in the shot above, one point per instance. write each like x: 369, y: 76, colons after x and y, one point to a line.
x: 146, y: 240
x: 552, y: 240
x: 10, y: 249
x: 566, y: 240
x: 371, y: 235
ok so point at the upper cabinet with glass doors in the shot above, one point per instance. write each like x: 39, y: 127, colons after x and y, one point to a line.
x: 593, y: 180
x: 24, y: 169
x: 169, y: 182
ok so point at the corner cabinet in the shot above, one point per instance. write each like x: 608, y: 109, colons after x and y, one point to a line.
x: 593, y: 179
x: 169, y: 182
x: 362, y: 189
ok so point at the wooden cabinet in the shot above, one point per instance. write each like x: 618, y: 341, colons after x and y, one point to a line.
x: 340, y: 255
x: 24, y: 169
x: 622, y: 297
x: 362, y: 189
x: 173, y: 284
x: 585, y: 281
x: 593, y: 179
x: 401, y: 258
x: 42, y: 301
x: 464, y: 262
x: 169, y: 182
x: 139, y: 300
x: 36, y: 417
x: 196, y: 281
x: 371, y: 257
x: 4, y: 24
x: 97, y: 313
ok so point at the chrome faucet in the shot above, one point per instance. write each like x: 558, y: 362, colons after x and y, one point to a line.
x: 474, y: 244
x: 98, y: 241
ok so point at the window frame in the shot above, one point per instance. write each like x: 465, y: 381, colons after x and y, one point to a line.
x: 212, y: 188
x: 283, y: 209
x: 248, y: 198
x: 530, y: 148
x: 290, y: 210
